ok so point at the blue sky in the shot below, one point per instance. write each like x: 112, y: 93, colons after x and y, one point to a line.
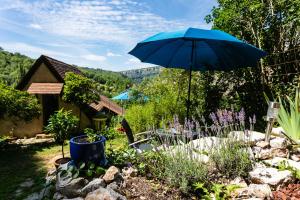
x: 97, y: 33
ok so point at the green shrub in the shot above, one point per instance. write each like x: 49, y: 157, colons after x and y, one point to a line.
x: 141, y: 117
x: 15, y: 103
x: 231, y: 159
x: 177, y: 170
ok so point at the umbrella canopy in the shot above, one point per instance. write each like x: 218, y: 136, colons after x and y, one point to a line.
x: 197, y: 49
x: 122, y: 96
x: 126, y: 96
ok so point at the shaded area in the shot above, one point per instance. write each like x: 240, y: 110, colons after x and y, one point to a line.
x: 19, y: 163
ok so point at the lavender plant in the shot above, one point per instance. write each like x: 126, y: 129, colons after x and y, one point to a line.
x: 221, y: 147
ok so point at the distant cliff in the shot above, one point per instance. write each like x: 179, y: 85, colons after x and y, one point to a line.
x: 137, y: 75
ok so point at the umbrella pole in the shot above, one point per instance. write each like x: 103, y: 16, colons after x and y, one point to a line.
x: 190, y: 81
x: 189, y: 94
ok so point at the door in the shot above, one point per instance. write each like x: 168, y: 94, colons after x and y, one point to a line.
x: 50, y: 105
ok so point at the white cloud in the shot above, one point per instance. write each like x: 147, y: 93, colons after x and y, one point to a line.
x: 111, y: 54
x: 30, y: 49
x: 133, y: 60
x: 124, y: 22
x: 35, y: 26
x: 92, y: 57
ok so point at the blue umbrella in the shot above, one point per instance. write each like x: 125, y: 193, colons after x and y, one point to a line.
x: 198, y: 50
x: 122, y: 96
x: 126, y: 96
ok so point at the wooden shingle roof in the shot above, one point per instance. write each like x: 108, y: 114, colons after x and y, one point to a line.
x: 45, y: 88
x: 57, y: 68
x: 107, y: 103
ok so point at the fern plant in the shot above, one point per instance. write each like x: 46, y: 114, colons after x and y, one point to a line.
x: 289, y: 117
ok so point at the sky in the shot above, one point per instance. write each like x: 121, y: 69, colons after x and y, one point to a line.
x: 98, y: 33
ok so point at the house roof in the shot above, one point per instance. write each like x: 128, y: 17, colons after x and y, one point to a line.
x: 57, y: 68
x: 45, y: 88
x: 107, y: 103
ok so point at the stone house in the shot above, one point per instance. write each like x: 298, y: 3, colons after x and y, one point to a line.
x: 45, y: 80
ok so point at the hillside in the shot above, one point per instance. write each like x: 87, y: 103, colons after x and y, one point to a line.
x: 137, y: 75
x: 13, y: 66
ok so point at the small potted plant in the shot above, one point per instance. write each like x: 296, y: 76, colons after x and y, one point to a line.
x: 61, y: 125
x: 88, y: 148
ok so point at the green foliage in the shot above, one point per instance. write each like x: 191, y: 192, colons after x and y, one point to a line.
x: 13, y: 66
x: 79, y: 89
x: 83, y: 169
x: 284, y: 165
x: 108, y: 83
x: 231, y: 159
x: 91, y: 134
x: 121, y: 157
x: 177, y: 170
x: 167, y: 97
x: 289, y: 116
x: 271, y: 26
x: 61, y: 124
x: 15, y: 103
x: 109, y: 133
x: 216, y: 191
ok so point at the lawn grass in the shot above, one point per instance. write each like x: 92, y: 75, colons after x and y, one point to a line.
x: 117, y: 143
x: 17, y: 165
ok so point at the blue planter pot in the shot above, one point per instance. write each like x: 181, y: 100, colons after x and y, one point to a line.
x: 83, y: 151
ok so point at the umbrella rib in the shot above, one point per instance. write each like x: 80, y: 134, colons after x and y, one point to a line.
x: 161, y: 46
x: 171, y: 59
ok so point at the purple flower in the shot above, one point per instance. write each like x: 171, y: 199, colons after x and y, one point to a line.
x: 213, y: 118
x: 241, y: 115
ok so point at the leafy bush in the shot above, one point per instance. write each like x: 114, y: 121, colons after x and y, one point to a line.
x: 91, y: 134
x: 15, y: 103
x: 61, y: 124
x: 217, y: 191
x: 289, y: 116
x: 141, y: 118
x: 231, y: 159
x: 121, y: 157
x: 79, y: 89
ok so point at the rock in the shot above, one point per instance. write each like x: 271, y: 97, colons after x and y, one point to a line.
x: 270, y: 176
x: 277, y: 160
x: 113, y: 186
x: 112, y: 174
x: 251, y: 136
x: 238, y: 181
x: 129, y: 172
x: 104, y: 194
x: 77, y: 198
x: 295, y: 157
x: 277, y: 131
x: 33, y: 196
x: 28, y: 183
x: 261, y: 191
x: 278, y: 143
x: 204, y: 143
x: 93, y: 185
x: 262, y: 144
x: 69, y: 187
x: 264, y: 154
x: 57, y: 196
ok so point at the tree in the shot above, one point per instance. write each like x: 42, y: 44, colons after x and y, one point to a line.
x: 270, y: 25
x: 61, y: 124
x: 79, y: 90
x: 18, y: 104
